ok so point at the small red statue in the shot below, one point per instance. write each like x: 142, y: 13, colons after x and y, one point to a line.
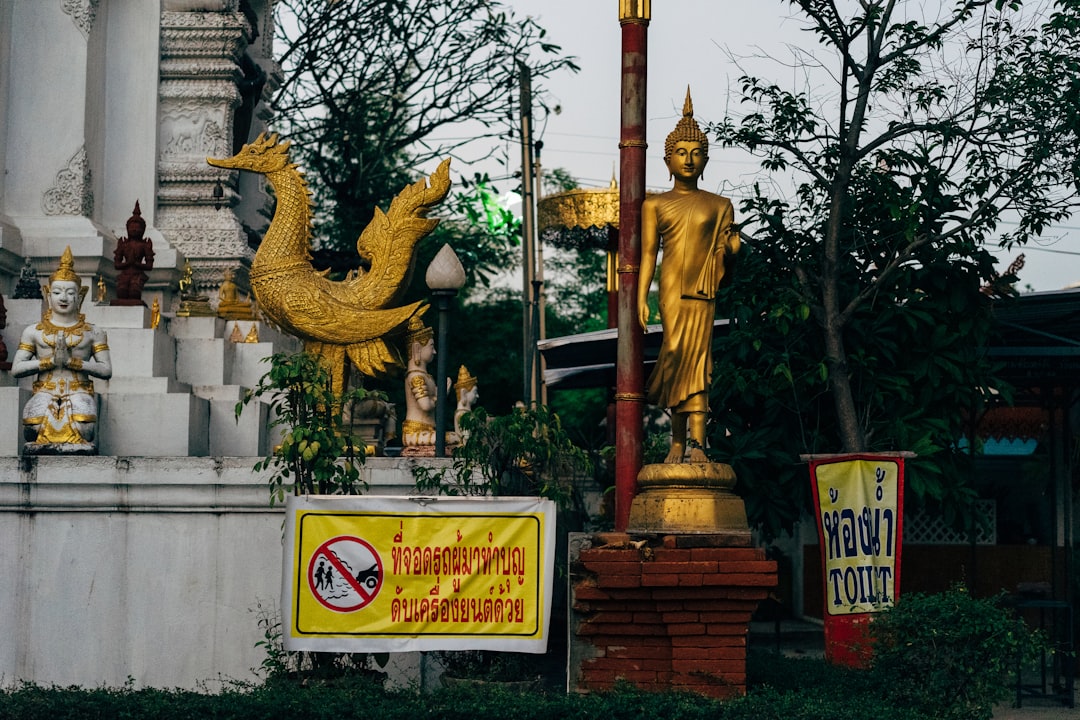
x: 134, y: 256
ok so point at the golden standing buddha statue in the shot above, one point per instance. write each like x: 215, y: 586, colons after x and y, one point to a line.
x: 699, y: 243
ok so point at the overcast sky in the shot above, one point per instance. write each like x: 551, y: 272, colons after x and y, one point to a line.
x: 693, y: 42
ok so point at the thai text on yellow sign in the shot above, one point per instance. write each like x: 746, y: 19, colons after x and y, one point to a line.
x: 387, y: 574
x: 858, y: 504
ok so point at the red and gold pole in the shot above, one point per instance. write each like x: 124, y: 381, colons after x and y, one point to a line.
x: 630, y: 373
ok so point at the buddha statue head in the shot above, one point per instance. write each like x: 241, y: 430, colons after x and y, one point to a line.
x: 686, y: 148
x: 65, y: 291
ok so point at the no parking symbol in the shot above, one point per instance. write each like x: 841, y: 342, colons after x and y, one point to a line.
x: 345, y: 574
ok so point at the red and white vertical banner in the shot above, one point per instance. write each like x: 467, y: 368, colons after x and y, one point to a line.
x: 858, y: 503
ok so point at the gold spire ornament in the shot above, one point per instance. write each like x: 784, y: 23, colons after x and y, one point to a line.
x: 465, y: 381
x: 686, y: 130
x: 417, y: 332
x: 336, y: 319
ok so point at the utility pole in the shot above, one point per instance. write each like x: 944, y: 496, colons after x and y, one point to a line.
x: 539, y: 388
x: 528, y: 235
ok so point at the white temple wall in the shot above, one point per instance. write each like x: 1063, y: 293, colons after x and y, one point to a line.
x: 10, y: 238
x: 149, y: 568
x: 129, y: 168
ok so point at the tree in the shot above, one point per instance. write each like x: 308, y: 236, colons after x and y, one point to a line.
x: 937, y: 133
x: 368, y: 85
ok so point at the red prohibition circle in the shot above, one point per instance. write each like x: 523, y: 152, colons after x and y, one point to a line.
x: 364, y: 584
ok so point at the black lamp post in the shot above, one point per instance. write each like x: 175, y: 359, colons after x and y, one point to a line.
x: 445, y: 276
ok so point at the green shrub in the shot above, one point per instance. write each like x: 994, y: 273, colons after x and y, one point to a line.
x: 948, y: 653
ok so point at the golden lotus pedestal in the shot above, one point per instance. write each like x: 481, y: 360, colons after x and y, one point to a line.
x: 687, y: 498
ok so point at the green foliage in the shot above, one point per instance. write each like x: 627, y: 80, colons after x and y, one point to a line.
x: 859, y: 321
x: 488, y: 665
x: 950, y: 653
x: 370, y: 90
x: 525, y: 452
x: 317, y: 455
x: 364, y: 700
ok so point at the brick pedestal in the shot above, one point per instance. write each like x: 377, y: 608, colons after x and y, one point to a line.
x: 670, y: 613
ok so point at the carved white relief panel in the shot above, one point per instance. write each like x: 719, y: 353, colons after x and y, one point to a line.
x: 190, y: 135
x: 82, y: 13
x: 71, y: 193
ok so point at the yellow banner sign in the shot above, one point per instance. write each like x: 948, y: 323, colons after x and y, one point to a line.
x: 859, y: 504
x: 387, y: 574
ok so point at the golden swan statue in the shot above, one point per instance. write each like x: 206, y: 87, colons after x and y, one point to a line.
x: 335, y: 319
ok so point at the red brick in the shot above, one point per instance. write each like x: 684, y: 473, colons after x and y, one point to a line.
x: 639, y: 651
x: 679, y: 567
x: 659, y: 580
x: 680, y: 617
x: 721, y: 605
x: 691, y: 580
x: 737, y: 616
x: 629, y: 594
x: 727, y: 554
x: 753, y: 596
x: 697, y: 655
x: 728, y: 628
x: 690, y: 653
x: 741, y: 580
x: 669, y: 555
x: 603, y: 569
x: 637, y: 676
x: 612, y: 617
x: 649, y: 617
x: 702, y: 641
x: 659, y: 641
x: 631, y: 629
x: 591, y: 676
x: 589, y: 592
x: 686, y: 629
x: 609, y: 555
x: 657, y: 664
x: 762, y: 567
x: 619, y: 581
x: 668, y: 606
x: 623, y: 641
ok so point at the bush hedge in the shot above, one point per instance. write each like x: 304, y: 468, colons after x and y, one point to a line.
x: 936, y: 656
x: 785, y: 689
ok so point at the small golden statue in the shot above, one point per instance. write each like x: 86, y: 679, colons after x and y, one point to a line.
x: 253, y: 334
x: 102, y: 292
x: 699, y: 248
x: 230, y: 306
x: 191, y: 303
x: 155, y: 314
x: 64, y: 352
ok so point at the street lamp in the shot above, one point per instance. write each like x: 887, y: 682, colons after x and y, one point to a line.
x: 445, y: 276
